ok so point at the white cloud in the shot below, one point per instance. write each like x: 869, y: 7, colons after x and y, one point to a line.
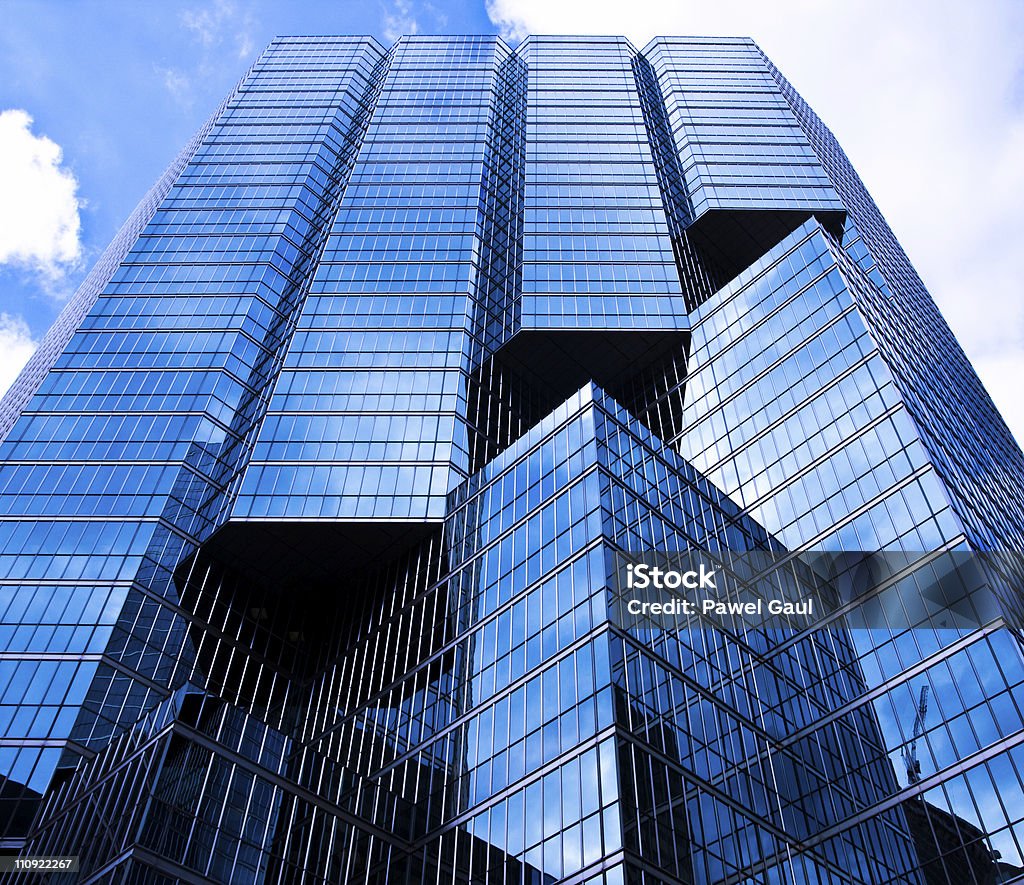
x: 404, y: 17
x: 513, y: 18
x: 40, y: 228
x: 926, y: 98
x: 204, y: 23
x: 221, y: 32
x: 16, y: 346
x: 221, y: 24
x: 178, y: 83
x: 218, y: 23
x: 399, y: 20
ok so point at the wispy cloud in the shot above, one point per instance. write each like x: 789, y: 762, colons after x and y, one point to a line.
x: 926, y: 100
x: 16, y: 346
x: 219, y: 30
x: 40, y: 227
x: 221, y: 24
x: 177, y: 83
x: 399, y: 20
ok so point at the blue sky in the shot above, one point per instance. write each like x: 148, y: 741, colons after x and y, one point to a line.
x: 926, y: 97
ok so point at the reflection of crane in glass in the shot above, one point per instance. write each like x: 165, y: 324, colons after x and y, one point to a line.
x: 910, y: 758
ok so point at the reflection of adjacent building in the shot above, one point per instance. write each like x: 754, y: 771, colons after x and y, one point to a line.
x: 308, y: 527
x: 951, y: 849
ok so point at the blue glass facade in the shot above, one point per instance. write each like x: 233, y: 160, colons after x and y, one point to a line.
x: 312, y: 504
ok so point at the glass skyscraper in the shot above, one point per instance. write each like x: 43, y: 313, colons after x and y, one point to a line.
x: 313, y: 503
